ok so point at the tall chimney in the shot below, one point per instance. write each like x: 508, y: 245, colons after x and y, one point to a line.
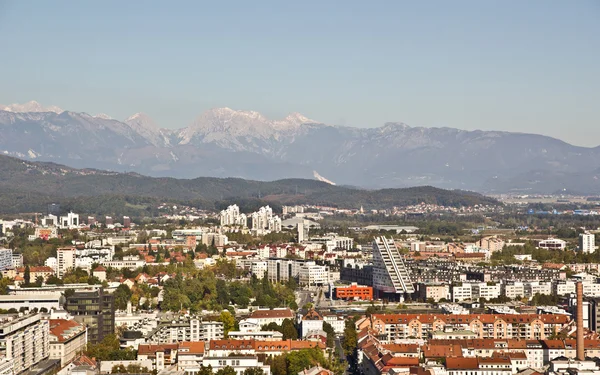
x: 580, y: 341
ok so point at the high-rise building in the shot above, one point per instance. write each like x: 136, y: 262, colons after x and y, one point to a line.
x: 94, y: 309
x: 232, y: 216
x: 24, y: 340
x: 587, y: 243
x: 391, y: 278
x: 71, y: 220
x: 6, y: 259
x: 126, y: 222
x: 65, y: 260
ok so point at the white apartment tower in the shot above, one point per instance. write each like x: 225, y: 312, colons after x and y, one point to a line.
x: 390, y: 274
x: 263, y: 219
x: 587, y: 242
x: 65, y: 261
x: 232, y: 216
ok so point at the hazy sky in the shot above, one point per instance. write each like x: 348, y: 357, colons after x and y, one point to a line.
x: 530, y: 66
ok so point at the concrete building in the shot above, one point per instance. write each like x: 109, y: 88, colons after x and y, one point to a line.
x: 259, y: 269
x: 6, y: 259
x: 239, y: 363
x: 31, y: 301
x: 232, y: 217
x: 432, y: 291
x: 391, y: 277
x: 67, y: 339
x: 94, y: 309
x: 307, y: 272
x: 17, y: 260
x: 24, y: 340
x: 553, y: 243
x: 70, y: 221
x: 65, y: 261
x: 186, y: 329
x: 587, y: 243
x: 354, y: 292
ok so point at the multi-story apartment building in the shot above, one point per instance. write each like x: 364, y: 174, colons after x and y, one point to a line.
x: 259, y: 269
x: 391, y: 277
x: 307, y: 272
x: 485, y: 290
x: 332, y: 241
x: 232, y: 216
x: 186, y: 330
x: 513, y: 289
x: 587, y: 243
x: 67, y: 339
x: 95, y: 309
x: 6, y: 259
x: 354, y: 292
x: 69, y: 221
x: 462, y: 292
x: 65, y: 261
x: 432, y: 291
x: 24, y: 340
x: 17, y: 260
x: 523, y: 326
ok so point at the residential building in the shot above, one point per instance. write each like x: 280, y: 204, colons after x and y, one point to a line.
x: 186, y: 329
x: 67, y: 339
x: 239, y: 363
x: 65, y: 261
x: 496, y: 326
x: 24, y: 340
x: 95, y: 309
x: 307, y: 272
x: 265, y: 316
x: 432, y: 291
x: 6, y: 259
x: 311, y: 321
x: 259, y: 269
x: 162, y: 356
x: 17, y: 260
x: 587, y: 242
x: 391, y: 277
x: 232, y: 217
x: 189, y: 357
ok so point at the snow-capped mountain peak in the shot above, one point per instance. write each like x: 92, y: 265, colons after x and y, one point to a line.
x: 31, y: 106
x: 103, y: 116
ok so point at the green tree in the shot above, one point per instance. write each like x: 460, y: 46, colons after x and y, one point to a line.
x: 289, y: 330
x: 350, y: 341
x: 205, y: 370
x: 330, y: 334
x: 122, y: 296
x: 227, y: 370
x: 254, y: 371
x: 228, y: 321
x: 27, y: 276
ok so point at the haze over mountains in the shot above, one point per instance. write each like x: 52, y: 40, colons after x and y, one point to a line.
x: 226, y: 143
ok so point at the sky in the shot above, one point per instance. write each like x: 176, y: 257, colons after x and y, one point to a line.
x: 526, y: 66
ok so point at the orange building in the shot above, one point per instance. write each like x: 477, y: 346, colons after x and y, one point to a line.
x: 354, y: 291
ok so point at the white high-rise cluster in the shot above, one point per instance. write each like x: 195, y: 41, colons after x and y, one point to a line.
x: 232, y: 216
x: 264, y: 219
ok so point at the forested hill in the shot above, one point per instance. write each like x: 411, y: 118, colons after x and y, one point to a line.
x: 28, y: 186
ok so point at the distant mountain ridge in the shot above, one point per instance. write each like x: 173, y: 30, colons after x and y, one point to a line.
x: 27, y: 186
x: 227, y: 143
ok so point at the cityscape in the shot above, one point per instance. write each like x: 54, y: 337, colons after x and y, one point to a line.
x: 299, y: 188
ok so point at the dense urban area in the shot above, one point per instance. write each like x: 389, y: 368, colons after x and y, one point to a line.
x: 509, y: 287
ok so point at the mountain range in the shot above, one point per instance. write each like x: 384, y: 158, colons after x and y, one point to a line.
x: 223, y: 142
x: 27, y: 186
